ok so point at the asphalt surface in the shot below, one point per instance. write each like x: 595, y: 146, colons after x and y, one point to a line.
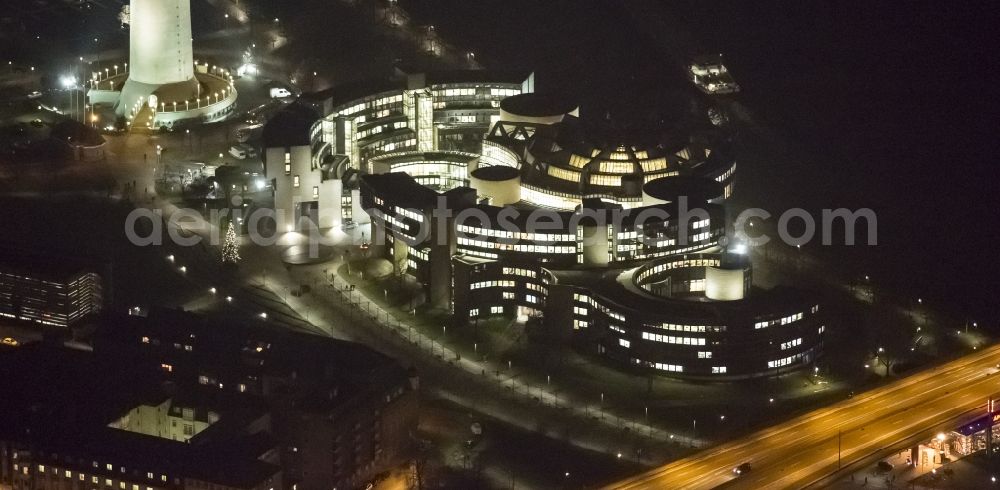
x: 804, y: 449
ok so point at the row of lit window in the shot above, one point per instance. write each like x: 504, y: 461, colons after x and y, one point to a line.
x: 689, y: 328
x: 615, y: 167
x: 493, y: 311
x: 791, y: 343
x: 397, y: 225
x: 673, y: 368
x: 784, y: 361
x: 606, y: 180
x: 678, y: 264
x: 653, y: 164
x: 727, y: 174
x: 783, y: 321
x: 583, y: 298
x: 537, y: 237
x: 525, y: 248
x: 82, y: 476
x: 504, y: 92
x: 455, y: 92
x: 492, y: 284
x: 670, y: 339
x: 409, y: 213
x: 561, y: 173
x: 418, y: 253
x: 517, y: 271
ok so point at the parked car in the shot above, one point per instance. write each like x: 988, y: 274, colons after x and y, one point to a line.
x: 242, y: 151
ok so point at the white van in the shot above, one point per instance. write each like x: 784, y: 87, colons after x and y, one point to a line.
x: 280, y: 93
x: 242, y: 151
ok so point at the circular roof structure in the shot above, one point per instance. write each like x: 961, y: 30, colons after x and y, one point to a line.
x: 537, y: 105
x: 670, y: 189
x: 495, y: 173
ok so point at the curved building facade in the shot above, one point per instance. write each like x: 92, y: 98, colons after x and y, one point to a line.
x: 502, y: 202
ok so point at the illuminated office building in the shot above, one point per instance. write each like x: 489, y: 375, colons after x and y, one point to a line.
x: 46, y: 292
x: 617, y: 244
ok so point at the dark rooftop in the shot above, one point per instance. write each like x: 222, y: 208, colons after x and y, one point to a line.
x: 290, y: 126
x: 537, y: 105
x: 496, y: 173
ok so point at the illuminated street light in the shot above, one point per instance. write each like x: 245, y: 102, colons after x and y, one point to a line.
x: 941, y: 437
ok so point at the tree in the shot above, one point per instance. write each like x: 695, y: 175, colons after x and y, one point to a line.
x: 231, y: 246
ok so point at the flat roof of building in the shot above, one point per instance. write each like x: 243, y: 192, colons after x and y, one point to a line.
x: 66, y: 398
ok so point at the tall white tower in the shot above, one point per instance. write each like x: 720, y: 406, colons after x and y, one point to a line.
x: 161, y: 62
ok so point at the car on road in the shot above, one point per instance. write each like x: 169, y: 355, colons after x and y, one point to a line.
x: 34, y: 94
x: 884, y: 465
x: 742, y: 469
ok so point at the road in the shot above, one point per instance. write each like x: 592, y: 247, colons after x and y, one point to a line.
x: 803, y: 450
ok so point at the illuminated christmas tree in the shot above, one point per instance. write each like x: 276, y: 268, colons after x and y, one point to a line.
x: 231, y: 246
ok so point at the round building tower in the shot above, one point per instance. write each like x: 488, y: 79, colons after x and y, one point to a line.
x: 161, y: 65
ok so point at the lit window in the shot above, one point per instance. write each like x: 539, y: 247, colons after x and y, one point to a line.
x: 295, y: 181
x: 624, y: 343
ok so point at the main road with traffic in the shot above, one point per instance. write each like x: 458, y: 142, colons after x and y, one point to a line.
x: 807, y: 449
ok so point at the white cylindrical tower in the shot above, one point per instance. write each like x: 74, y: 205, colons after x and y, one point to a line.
x: 160, y: 42
x: 161, y: 61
